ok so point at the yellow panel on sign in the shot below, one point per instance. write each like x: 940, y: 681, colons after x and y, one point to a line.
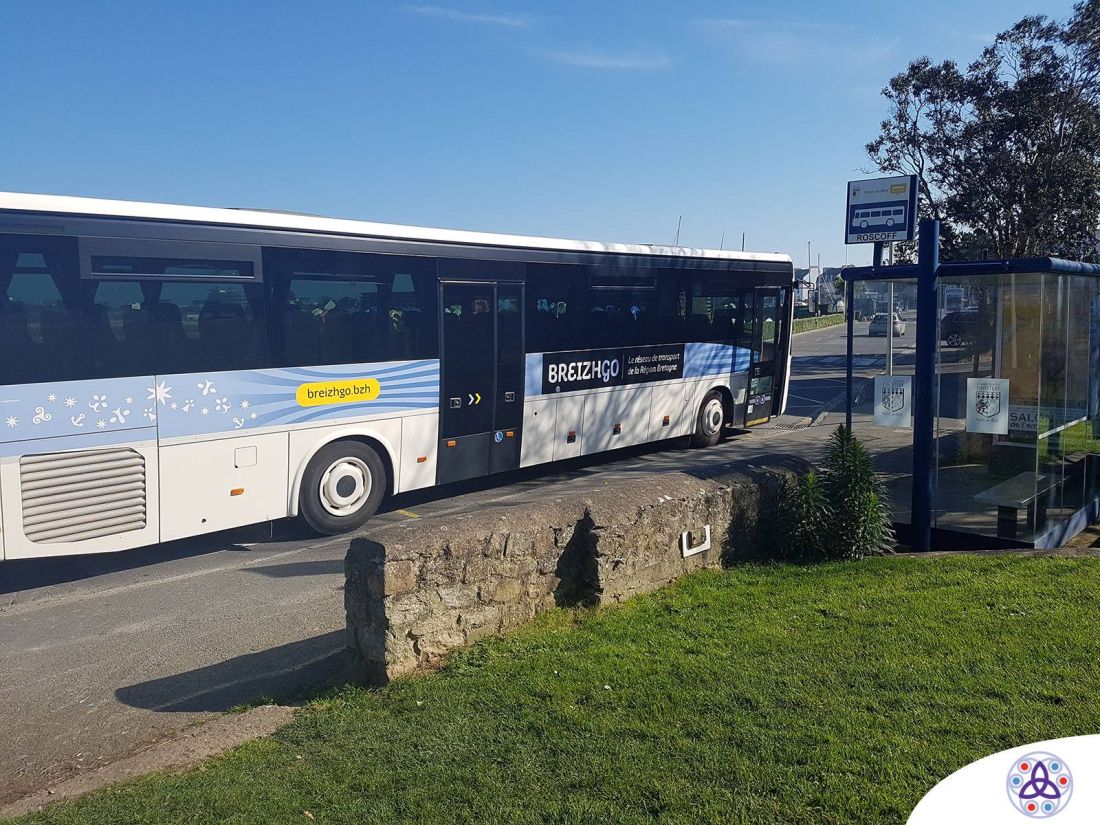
x: 318, y: 393
x: 897, y: 188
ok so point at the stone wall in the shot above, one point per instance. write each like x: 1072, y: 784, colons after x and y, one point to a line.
x: 421, y: 588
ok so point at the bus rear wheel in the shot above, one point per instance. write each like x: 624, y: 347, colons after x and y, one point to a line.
x: 710, y: 422
x: 342, y: 487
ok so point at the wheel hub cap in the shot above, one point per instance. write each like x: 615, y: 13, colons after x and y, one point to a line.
x: 345, y: 486
x: 713, y: 416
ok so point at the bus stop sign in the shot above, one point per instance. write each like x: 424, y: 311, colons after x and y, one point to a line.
x: 884, y: 209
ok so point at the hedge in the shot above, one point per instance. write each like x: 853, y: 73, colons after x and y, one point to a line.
x: 818, y: 322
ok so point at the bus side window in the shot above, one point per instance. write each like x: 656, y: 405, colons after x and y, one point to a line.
x: 221, y: 325
x: 622, y: 305
x: 745, y: 328
x: 673, y: 297
x: 554, y: 313
x: 119, y: 345
x: 716, y: 308
x: 350, y: 307
x: 41, y: 326
x: 155, y: 326
x: 413, y: 328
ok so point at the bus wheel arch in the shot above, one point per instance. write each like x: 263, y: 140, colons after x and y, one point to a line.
x: 727, y: 401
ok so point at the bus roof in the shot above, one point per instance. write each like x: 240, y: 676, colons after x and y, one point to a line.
x: 259, y: 218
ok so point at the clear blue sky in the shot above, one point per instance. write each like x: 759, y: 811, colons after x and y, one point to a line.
x: 598, y: 120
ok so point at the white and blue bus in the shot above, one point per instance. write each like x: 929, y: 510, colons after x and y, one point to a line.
x: 167, y: 371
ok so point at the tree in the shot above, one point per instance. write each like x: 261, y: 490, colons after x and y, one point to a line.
x: 1007, y: 152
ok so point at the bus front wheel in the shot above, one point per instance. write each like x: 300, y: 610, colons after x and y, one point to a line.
x: 342, y: 487
x: 710, y: 422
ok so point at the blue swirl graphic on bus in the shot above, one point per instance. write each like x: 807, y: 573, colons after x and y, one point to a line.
x: 199, y: 404
x: 194, y: 404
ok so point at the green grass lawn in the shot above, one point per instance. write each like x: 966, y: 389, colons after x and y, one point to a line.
x: 765, y: 694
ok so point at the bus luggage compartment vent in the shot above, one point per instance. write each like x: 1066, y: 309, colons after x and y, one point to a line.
x: 78, y: 496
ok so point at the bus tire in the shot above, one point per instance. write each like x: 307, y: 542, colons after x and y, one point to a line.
x: 342, y: 487
x: 710, y: 421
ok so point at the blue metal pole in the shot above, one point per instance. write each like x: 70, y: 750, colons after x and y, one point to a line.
x: 850, y: 308
x: 924, y: 382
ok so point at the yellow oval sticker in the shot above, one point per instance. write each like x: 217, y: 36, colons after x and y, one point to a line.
x: 319, y: 393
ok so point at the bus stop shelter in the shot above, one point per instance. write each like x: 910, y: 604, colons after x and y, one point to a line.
x: 985, y: 424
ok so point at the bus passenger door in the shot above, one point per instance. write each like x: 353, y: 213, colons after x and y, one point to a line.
x: 764, y: 364
x: 510, y: 366
x: 481, y: 408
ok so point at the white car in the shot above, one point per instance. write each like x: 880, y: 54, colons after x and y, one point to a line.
x: 879, y: 324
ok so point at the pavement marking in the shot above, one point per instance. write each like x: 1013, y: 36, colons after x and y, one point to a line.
x: 408, y: 513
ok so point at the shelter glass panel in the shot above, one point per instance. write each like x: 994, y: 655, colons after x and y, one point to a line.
x: 988, y: 385
x: 883, y: 366
x: 1017, y: 415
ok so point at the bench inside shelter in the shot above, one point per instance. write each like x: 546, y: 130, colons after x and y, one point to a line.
x: 1024, y: 491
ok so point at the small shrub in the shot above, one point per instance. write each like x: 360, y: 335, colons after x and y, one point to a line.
x: 838, y: 513
x: 810, y: 513
x: 792, y: 526
x: 860, y: 519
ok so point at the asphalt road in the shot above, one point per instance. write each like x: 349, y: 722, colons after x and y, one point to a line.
x: 103, y: 655
x: 818, y: 364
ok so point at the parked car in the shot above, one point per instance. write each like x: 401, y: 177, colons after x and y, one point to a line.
x: 880, y: 323
x: 959, y: 327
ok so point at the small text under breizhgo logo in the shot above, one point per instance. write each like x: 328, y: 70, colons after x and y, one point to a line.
x: 351, y: 391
